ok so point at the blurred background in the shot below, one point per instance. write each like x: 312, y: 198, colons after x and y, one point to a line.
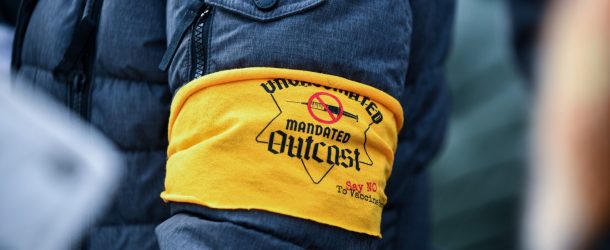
x: 478, y: 181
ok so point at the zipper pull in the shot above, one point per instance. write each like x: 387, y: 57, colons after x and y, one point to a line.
x: 205, y: 12
x: 78, y: 81
x: 188, y: 19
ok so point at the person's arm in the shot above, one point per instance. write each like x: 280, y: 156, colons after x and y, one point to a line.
x: 286, y: 106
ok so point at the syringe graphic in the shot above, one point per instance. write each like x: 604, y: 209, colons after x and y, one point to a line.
x: 333, y: 109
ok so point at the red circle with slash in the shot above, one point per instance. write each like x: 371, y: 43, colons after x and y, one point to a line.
x: 322, y: 105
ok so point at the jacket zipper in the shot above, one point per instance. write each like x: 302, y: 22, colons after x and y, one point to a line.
x: 82, y: 80
x: 75, y: 69
x: 26, y: 8
x: 77, y: 86
x: 199, y: 41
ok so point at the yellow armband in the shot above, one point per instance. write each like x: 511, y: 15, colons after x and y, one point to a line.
x: 298, y: 143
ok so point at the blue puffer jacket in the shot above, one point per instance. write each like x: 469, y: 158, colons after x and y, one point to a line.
x: 113, y: 81
x: 101, y: 61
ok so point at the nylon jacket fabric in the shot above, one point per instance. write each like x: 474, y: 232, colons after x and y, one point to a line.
x: 425, y: 100
x: 398, y: 47
x: 389, y: 45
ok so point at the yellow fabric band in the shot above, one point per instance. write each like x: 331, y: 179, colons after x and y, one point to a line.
x: 298, y: 143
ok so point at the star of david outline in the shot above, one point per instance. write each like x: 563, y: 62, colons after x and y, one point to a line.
x: 302, y: 162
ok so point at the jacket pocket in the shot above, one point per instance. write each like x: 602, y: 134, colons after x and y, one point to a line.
x: 187, y: 31
x: 189, y: 28
x: 265, y: 10
x: 180, y: 18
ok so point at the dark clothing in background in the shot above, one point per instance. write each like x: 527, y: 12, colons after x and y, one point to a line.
x: 102, y: 62
x: 8, y: 11
x: 113, y: 82
x: 526, y: 18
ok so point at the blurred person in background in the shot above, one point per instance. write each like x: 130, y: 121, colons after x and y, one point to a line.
x: 570, y: 199
x: 57, y: 175
x: 477, y: 196
x: 100, y: 58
